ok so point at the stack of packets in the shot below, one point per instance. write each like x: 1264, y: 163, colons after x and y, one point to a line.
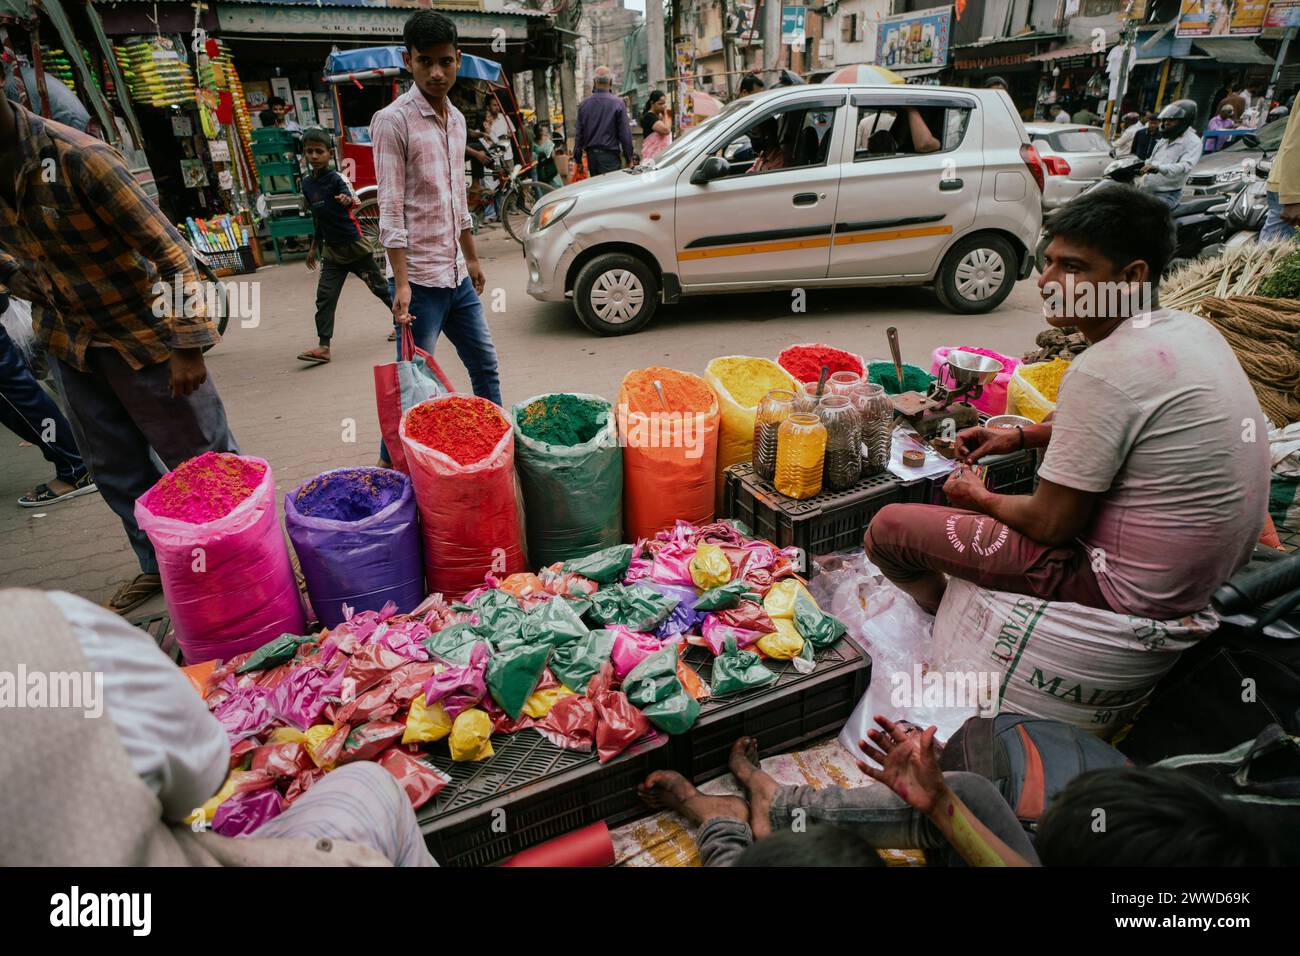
x: 588, y: 653
x: 154, y: 72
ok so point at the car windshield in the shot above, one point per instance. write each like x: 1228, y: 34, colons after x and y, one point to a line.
x: 1082, y: 141
x: 685, y: 142
x: 1269, y: 136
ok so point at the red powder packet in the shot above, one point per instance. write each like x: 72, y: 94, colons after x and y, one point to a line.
x: 420, y: 780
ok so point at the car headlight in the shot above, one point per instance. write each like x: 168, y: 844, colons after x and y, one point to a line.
x: 552, y: 213
x: 1229, y: 176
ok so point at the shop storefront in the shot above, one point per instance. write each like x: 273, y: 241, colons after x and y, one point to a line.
x: 1009, y: 58
x: 1073, y: 76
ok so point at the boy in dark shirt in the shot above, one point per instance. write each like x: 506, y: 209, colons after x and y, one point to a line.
x: 338, y: 237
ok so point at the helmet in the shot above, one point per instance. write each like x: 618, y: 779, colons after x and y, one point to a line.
x: 1182, y: 112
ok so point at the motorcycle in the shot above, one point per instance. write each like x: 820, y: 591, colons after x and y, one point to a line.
x: 1199, y: 221
x: 1246, y: 213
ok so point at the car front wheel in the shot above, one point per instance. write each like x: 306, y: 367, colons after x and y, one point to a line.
x: 615, y: 294
x: 977, y: 275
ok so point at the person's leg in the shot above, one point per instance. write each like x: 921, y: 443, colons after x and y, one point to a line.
x: 916, y: 545
x: 723, y: 831
x: 1275, y: 227
x: 367, y: 270
x: 467, y: 329
x: 328, y: 289
x: 360, y: 803
x: 27, y: 410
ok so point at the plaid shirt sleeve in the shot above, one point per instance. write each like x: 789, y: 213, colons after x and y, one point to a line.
x: 389, y: 146
x: 117, y: 199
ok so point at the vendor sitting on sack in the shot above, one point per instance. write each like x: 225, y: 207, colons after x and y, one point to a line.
x: 1154, y: 485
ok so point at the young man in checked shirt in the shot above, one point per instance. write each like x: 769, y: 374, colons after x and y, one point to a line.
x: 424, y: 223
x: 82, y: 242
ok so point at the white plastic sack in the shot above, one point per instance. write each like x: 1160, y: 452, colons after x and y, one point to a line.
x: 1081, y: 665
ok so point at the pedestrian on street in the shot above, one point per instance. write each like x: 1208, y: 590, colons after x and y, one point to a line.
x: 1085, y: 117
x: 603, y: 130
x: 1178, y: 150
x: 100, y: 264
x: 27, y: 410
x: 544, y: 149
x: 343, y: 249
x: 1144, y: 141
x: 1220, y: 120
x: 1059, y: 114
x: 435, y: 277
x: 751, y: 84
x: 1129, y: 126
x: 1283, y: 216
x: 656, y: 126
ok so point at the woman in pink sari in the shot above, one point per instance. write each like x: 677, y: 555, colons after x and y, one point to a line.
x: 656, y: 126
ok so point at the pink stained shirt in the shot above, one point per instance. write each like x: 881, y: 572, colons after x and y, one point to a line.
x: 420, y: 168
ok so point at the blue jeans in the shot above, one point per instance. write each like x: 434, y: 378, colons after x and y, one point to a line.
x: 459, y: 313
x: 27, y: 410
x: 1170, y: 197
x: 1274, y: 227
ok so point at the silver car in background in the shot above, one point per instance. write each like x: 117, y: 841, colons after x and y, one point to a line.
x: 1074, y: 157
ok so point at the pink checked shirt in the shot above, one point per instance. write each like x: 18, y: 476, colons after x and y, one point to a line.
x: 420, y: 166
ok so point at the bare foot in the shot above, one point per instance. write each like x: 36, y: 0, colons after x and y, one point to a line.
x: 668, y: 789
x: 760, y: 787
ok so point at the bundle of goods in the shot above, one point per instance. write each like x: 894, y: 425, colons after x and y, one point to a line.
x: 1264, y: 334
x: 993, y: 396
x: 1032, y: 390
x: 588, y: 653
x: 460, y: 454
x: 805, y: 362
x: 357, y: 540
x: 230, y: 83
x: 668, y: 423
x: 740, y: 383
x: 225, y: 567
x: 1238, y: 271
x: 154, y: 72
x: 1065, y: 343
x: 56, y: 63
x: 571, y: 474
x: 915, y: 378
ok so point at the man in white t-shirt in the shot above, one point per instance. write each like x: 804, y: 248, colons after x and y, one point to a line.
x: 1154, y: 486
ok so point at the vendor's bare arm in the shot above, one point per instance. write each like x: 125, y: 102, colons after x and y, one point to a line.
x: 1053, y: 515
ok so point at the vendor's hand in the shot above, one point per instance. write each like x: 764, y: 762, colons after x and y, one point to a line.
x: 964, y: 489
x: 476, y: 275
x: 1291, y: 213
x: 187, y: 371
x: 972, y: 444
x: 402, y: 304
x: 909, y: 762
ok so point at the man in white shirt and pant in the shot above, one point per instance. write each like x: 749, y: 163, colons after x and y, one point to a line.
x: 1177, y: 152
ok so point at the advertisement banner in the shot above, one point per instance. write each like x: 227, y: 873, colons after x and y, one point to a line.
x: 792, y: 26
x: 1221, y: 18
x: 914, y: 40
x: 1282, y: 14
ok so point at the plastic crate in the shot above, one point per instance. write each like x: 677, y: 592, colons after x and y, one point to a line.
x: 830, y: 521
x: 527, y: 792
x: 787, y: 714
x: 159, y: 627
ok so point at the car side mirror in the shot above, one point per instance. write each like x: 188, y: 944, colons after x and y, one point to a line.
x: 715, y: 167
x: 1252, y: 142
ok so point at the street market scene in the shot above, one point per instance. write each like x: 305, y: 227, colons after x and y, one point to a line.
x: 765, y: 435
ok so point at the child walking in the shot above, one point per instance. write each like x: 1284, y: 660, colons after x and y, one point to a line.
x: 338, y: 238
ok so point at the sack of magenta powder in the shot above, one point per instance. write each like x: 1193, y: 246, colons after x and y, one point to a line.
x: 357, y: 540
x: 461, y: 454
x: 223, y: 560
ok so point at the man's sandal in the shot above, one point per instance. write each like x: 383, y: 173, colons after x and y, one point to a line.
x: 134, y: 593
x: 45, y: 495
x: 315, y: 356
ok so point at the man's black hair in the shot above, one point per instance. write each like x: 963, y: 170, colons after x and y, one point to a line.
x: 275, y: 101
x: 1122, y: 223
x: 995, y: 82
x: 269, y: 117
x: 1145, y: 816
x: 426, y: 28
x: 820, y: 845
x: 749, y: 83
x: 317, y: 135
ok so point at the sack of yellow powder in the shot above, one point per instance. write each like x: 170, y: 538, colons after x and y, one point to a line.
x: 1033, y: 389
x: 471, y: 736
x: 741, y: 382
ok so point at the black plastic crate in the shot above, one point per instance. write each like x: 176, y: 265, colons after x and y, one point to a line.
x: 830, y: 521
x: 792, y: 711
x: 159, y: 627
x: 527, y: 792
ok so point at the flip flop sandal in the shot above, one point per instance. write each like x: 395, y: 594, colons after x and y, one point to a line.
x: 313, y: 356
x: 44, y: 495
x: 134, y: 593
x: 392, y: 336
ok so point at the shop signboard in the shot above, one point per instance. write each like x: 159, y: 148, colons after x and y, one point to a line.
x: 1221, y: 18
x: 1282, y: 14
x: 914, y: 40
x: 792, y: 26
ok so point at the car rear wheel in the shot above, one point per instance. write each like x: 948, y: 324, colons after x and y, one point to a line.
x: 976, y: 275
x: 615, y: 294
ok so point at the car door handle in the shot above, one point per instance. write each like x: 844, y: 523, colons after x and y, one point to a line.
x: 948, y: 185
x: 805, y: 199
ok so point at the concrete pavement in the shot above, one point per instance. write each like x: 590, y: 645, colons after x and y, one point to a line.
x: 301, y: 418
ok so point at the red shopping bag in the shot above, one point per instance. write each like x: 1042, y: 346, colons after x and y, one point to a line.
x: 399, y: 385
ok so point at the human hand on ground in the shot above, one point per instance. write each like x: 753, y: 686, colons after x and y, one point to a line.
x: 909, y: 763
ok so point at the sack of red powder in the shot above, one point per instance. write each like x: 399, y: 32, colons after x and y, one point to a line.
x: 805, y: 361
x: 460, y: 450
x: 357, y: 540
x: 224, y: 563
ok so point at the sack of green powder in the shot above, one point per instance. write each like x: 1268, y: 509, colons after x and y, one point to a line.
x: 570, y: 470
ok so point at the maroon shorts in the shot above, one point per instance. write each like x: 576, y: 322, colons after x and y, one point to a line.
x: 907, y: 541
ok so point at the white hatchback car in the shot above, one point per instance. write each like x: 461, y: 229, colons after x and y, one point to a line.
x: 802, y: 187
x: 1074, y: 157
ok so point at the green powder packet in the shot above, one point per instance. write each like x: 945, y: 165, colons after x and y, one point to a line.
x: 513, y: 675
x: 736, y: 670
x: 815, y: 625
x: 635, y: 607
x: 453, y: 644
x: 603, y: 567
x: 653, y: 686
x: 726, y: 596
x: 577, y: 662
x: 274, y: 652
x: 555, y: 622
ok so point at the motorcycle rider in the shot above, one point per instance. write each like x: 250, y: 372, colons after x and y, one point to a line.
x: 1178, y: 150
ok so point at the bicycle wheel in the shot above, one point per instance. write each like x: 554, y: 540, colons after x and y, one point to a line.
x: 367, y: 215
x: 519, y: 205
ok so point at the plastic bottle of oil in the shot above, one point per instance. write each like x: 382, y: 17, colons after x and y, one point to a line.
x: 800, y: 455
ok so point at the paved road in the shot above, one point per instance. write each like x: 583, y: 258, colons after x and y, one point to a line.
x: 298, y: 417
